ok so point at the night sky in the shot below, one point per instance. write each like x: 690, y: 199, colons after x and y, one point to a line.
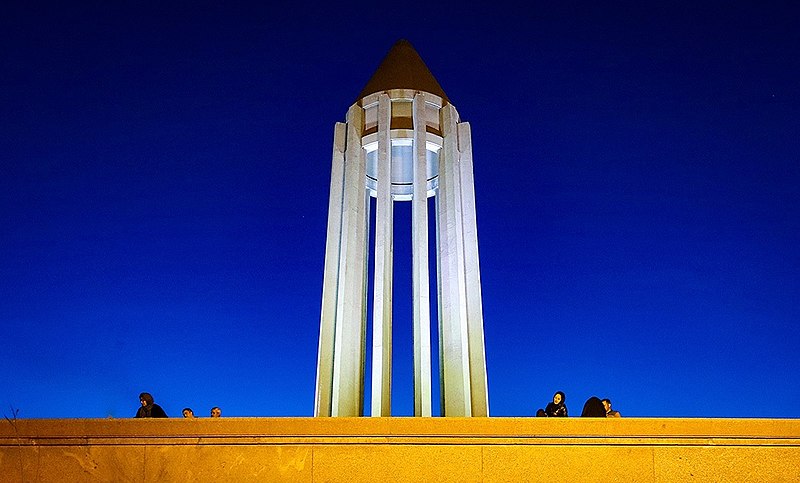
x: 164, y: 184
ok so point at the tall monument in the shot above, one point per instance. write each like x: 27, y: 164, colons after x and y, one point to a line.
x: 402, y: 141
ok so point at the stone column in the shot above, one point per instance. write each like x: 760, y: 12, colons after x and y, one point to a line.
x: 350, y: 309
x: 420, y: 265
x: 324, y: 385
x: 477, y: 354
x: 382, y: 291
x: 453, y: 340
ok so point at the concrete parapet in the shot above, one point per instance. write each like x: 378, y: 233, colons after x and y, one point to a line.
x: 400, y: 449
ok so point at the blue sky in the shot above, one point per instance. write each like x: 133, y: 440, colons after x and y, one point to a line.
x: 165, y: 174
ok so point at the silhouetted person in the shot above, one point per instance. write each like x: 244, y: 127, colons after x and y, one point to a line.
x: 216, y: 412
x: 557, y: 408
x: 149, y: 408
x: 593, y: 408
x: 540, y: 413
x: 188, y: 413
x: 610, y: 413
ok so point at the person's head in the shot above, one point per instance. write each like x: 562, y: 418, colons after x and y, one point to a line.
x: 216, y: 412
x: 593, y: 408
x: 188, y: 413
x: 146, y: 399
x: 607, y: 404
x: 540, y: 413
x: 559, y: 397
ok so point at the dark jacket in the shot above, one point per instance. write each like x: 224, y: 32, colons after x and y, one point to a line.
x: 150, y: 409
x: 559, y: 410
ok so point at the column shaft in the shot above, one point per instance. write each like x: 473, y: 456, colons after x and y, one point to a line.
x: 477, y: 351
x: 420, y: 265
x: 453, y: 343
x: 382, y: 291
x: 322, y: 398
x: 349, y: 345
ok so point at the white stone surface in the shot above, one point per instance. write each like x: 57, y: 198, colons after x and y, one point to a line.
x: 324, y: 384
x: 382, y: 291
x: 474, y: 304
x: 421, y: 266
x: 349, y: 344
x: 453, y: 343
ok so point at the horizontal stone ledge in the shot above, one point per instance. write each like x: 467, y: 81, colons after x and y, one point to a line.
x: 402, y: 441
x: 395, y: 429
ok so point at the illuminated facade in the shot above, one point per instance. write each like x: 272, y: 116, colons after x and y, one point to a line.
x: 402, y: 141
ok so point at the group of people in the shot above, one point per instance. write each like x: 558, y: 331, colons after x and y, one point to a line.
x: 557, y: 408
x: 150, y: 409
x: 216, y: 412
x: 594, y: 407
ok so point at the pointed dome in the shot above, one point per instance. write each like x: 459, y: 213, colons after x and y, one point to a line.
x: 403, y: 68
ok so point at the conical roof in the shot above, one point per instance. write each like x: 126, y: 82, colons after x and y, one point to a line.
x: 403, y: 68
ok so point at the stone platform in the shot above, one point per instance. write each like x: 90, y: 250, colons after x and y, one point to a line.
x: 400, y: 449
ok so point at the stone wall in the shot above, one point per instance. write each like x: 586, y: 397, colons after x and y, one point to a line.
x: 400, y: 449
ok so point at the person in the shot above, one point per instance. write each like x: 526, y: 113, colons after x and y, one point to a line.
x: 216, y: 412
x: 540, y: 413
x: 558, y: 407
x: 149, y: 408
x: 593, y: 408
x: 188, y: 413
x: 610, y: 413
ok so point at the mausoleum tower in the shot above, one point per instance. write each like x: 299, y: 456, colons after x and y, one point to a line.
x: 402, y: 141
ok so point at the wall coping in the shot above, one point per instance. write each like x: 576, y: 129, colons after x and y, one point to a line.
x: 401, y: 430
